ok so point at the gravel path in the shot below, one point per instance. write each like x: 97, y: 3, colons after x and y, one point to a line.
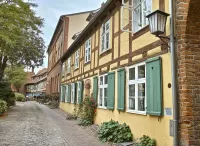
x: 32, y: 124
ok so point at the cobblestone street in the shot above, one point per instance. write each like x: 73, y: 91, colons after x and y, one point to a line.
x: 32, y: 124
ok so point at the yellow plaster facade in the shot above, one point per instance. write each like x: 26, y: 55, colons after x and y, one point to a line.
x: 119, y: 56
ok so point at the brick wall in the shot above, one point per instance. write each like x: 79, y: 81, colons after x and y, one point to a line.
x: 188, y: 55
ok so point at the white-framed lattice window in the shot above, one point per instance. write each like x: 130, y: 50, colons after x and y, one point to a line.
x: 76, y: 59
x: 69, y: 64
x: 141, y: 8
x: 72, y: 92
x: 105, y: 36
x: 103, y: 91
x: 136, y: 79
x: 87, y: 50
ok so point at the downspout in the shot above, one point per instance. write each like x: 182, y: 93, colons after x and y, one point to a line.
x: 174, y: 74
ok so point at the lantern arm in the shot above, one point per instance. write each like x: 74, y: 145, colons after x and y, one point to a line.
x: 162, y: 39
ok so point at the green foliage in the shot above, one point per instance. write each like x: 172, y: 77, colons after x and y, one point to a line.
x: 71, y: 117
x: 86, y: 111
x: 85, y: 122
x: 20, y: 35
x: 145, y: 141
x: 3, y: 106
x: 16, y: 76
x: 114, y: 132
x: 6, y: 93
x: 19, y: 97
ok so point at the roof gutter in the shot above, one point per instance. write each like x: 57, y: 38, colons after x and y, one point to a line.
x: 86, y: 28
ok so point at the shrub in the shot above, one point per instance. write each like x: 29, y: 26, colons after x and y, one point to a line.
x: 71, y: 117
x: 86, y: 111
x: 19, y: 97
x: 114, y: 132
x: 3, y: 106
x: 145, y: 141
x: 6, y: 93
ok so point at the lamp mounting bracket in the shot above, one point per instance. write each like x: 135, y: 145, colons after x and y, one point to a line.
x: 162, y: 39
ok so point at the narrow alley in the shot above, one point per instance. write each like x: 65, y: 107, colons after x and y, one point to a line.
x: 33, y: 124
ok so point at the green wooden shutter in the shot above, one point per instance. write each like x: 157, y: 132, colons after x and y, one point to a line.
x: 63, y: 94
x: 95, y: 88
x: 69, y: 93
x: 121, y: 89
x: 111, y: 91
x: 80, y: 93
x: 154, y: 86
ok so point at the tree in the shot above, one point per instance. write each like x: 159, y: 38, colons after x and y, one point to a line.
x: 20, y: 35
x: 16, y: 76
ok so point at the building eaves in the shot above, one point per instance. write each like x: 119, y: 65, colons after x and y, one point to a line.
x: 59, y: 23
x: 89, y: 26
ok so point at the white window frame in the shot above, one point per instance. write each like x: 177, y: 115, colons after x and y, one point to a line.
x: 104, y: 38
x: 103, y: 86
x: 136, y: 82
x: 76, y: 59
x: 69, y: 65
x: 72, y: 92
x: 88, y: 47
x: 143, y: 20
x: 78, y: 89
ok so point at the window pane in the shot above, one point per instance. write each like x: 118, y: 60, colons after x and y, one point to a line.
x: 102, y: 43
x: 100, y: 97
x: 137, y: 18
x: 103, y: 29
x: 88, y: 54
x: 136, y: 2
x: 107, y: 26
x: 107, y: 40
x: 141, y: 97
x: 132, y: 74
x: 141, y: 71
x: 132, y: 97
x: 105, y: 97
x: 101, y: 80
x: 106, y: 79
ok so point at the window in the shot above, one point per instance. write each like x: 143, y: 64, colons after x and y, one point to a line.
x: 141, y: 8
x: 77, y: 59
x: 69, y: 64
x: 103, y: 92
x: 105, y: 36
x: 87, y: 50
x: 78, y: 91
x: 72, y: 92
x: 63, y: 69
x: 137, y: 88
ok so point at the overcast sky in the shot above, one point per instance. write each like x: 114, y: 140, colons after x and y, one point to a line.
x: 51, y: 10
